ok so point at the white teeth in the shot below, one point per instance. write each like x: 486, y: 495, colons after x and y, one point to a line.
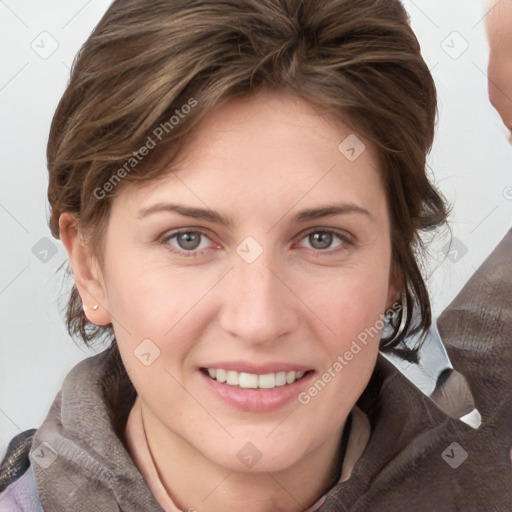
x: 280, y: 378
x: 252, y: 380
x: 232, y: 378
x: 267, y: 381
x: 248, y: 380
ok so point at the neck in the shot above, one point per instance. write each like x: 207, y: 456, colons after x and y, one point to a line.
x: 194, y: 482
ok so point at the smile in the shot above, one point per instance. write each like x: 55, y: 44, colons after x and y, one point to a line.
x: 252, y: 380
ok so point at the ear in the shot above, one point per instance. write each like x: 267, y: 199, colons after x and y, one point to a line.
x: 86, y: 271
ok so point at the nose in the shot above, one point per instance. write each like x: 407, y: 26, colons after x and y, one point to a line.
x: 258, y: 306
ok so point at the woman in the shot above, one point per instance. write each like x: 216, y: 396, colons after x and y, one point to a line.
x: 241, y: 188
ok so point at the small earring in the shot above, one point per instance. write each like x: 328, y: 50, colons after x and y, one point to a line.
x: 94, y: 308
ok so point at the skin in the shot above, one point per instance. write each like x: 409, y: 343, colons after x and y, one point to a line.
x: 258, y: 161
x: 499, y: 30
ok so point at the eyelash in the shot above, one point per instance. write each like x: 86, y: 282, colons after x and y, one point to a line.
x: 345, y: 240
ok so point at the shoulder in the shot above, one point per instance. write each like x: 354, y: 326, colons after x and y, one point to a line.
x: 476, y: 328
x: 480, y: 317
x: 21, y: 495
x: 18, y: 489
x: 16, y: 460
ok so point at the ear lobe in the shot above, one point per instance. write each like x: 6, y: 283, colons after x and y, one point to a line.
x: 88, y: 278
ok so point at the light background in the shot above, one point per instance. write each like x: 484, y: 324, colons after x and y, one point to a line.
x: 471, y: 161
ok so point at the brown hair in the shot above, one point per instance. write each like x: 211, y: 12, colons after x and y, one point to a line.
x: 154, y: 69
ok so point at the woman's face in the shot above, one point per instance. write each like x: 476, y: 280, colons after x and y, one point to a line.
x: 263, y: 256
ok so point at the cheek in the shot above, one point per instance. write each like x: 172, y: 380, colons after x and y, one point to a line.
x: 150, y: 309
x: 151, y: 297
x: 163, y: 304
x: 349, y: 304
x: 352, y: 307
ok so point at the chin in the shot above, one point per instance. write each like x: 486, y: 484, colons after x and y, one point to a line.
x: 255, y: 454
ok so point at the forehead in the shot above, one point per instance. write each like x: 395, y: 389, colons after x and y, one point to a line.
x: 270, y: 151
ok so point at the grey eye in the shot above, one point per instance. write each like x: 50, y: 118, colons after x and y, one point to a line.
x: 320, y: 239
x: 189, y: 241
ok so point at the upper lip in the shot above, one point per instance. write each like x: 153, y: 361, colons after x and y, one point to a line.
x: 258, y: 369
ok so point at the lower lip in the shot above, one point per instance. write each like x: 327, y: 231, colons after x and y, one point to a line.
x: 257, y: 400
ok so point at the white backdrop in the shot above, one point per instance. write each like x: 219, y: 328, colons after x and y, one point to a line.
x: 471, y: 161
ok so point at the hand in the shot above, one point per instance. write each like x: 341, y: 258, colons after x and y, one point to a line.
x: 499, y: 29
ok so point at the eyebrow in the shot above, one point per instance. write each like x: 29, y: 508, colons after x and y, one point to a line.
x: 217, y: 218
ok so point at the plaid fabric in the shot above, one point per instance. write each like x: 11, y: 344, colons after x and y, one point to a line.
x: 16, y: 460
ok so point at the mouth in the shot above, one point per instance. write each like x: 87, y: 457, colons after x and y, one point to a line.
x: 244, y: 380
